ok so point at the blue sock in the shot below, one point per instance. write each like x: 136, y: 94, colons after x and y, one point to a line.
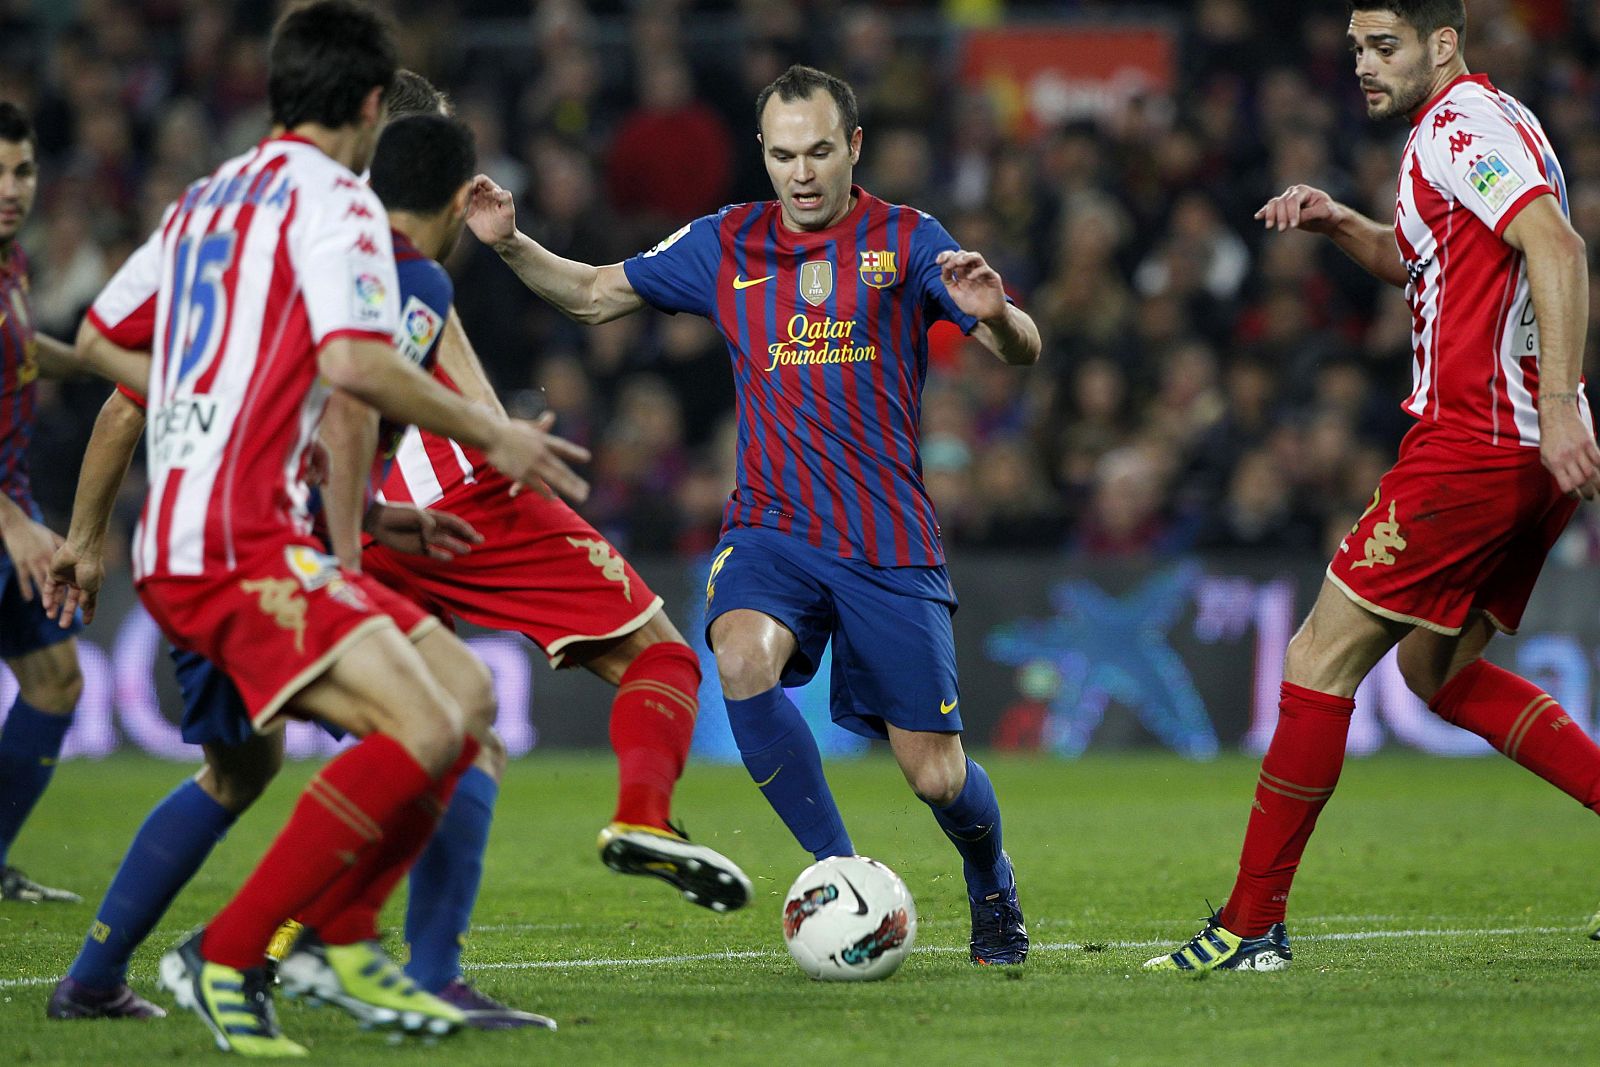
x: 972, y: 823
x: 781, y: 755
x: 169, y: 848
x: 444, y: 883
x: 29, y: 745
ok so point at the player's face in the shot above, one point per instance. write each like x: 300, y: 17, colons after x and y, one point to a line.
x: 1393, y: 63
x: 810, y: 159
x: 19, y: 181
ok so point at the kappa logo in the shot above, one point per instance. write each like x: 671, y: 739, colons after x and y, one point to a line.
x: 1459, y: 142
x: 610, y: 565
x: 282, y: 603
x: 357, y: 210
x: 1385, y: 541
x: 1444, y: 118
x: 365, y: 245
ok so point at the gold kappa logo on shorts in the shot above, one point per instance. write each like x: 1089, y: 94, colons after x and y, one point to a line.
x: 609, y: 563
x: 1384, y: 542
x: 277, y: 598
x: 716, y: 569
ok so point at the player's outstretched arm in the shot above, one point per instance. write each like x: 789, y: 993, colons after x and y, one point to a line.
x: 77, y: 567
x: 1003, y: 328
x: 1369, y: 243
x: 95, y: 353
x: 581, y: 291
x: 1558, y: 276
x: 524, y: 451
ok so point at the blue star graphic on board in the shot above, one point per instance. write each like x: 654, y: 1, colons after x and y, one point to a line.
x: 1108, y: 649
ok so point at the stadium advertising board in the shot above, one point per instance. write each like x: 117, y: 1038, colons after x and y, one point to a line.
x: 1043, y: 76
x: 1056, y: 656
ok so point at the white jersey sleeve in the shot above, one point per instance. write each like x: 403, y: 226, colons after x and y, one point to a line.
x: 346, y: 265
x: 1481, y: 156
x: 125, y: 310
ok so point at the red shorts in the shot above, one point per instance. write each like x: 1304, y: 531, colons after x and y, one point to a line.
x: 1456, y: 526
x: 275, y: 623
x: 542, y: 571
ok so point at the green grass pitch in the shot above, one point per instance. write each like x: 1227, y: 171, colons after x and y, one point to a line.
x: 1438, y: 919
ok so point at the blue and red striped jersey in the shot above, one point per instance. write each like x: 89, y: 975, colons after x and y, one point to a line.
x: 828, y: 331
x: 18, y: 370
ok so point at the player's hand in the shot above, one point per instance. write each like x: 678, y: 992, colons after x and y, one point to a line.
x: 974, y: 285
x: 72, y: 584
x: 420, y: 532
x: 491, y: 212
x: 1301, y: 207
x: 529, y: 454
x: 1569, y: 452
x: 30, y: 547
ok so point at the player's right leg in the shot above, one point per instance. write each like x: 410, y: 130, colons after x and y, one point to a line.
x: 657, y: 680
x: 1338, y: 645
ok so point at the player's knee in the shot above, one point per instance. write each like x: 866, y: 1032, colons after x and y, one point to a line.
x: 431, y: 729
x: 238, y: 787
x: 744, y: 672
x: 55, y: 692
x: 1423, y: 675
x: 935, y: 783
x: 473, y: 688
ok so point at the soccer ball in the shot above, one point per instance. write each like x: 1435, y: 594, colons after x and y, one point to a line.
x: 849, y: 919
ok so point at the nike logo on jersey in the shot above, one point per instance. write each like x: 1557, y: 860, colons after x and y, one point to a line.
x: 745, y: 283
x: 861, y: 905
x: 945, y: 709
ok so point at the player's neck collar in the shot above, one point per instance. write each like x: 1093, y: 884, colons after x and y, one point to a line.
x: 788, y: 238
x: 1481, y: 79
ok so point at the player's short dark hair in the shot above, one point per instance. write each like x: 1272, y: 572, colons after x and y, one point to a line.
x: 1425, y: 16
x: 325, y: 58
x: 799, y: 82
x: 421, y: 161
x: 412, y: 94
x: 15, y: 126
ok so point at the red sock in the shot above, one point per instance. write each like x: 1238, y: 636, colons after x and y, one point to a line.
x: 339, y: 816
x: 652, y: 724
x: 348, y: 911
x: 1297, y: 778
x: 1525, y: 723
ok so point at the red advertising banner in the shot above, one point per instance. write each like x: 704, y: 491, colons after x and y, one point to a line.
x: 1042, y: 76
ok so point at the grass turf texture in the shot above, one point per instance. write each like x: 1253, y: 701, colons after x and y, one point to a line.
x: 1115, y: 854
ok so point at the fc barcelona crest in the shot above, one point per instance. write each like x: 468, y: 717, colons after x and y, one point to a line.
x: 878, y: 269
x: 816, y: 281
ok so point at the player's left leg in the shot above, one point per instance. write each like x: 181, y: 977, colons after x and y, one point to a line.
x: 48, y: 686
x: 958, y: 791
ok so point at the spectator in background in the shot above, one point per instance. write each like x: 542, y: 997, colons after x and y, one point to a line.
x: 672, y: 157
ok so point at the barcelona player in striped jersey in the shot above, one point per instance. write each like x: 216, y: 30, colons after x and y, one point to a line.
x: 824, y: 296
x: 42, y: 656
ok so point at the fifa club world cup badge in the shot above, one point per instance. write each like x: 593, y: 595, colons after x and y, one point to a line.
x: 878, y: 269
x: 816, y: 281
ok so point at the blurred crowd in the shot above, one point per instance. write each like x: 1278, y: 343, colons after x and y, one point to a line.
x: 1203, y: 384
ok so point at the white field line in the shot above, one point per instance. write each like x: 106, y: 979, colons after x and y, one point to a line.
x: 624, y: 962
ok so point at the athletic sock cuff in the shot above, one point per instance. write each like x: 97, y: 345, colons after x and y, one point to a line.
x: 1317, y: 701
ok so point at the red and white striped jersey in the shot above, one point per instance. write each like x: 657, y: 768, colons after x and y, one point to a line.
x: 427, y: 466
x: 250, y: 273
x: 1476, y: 158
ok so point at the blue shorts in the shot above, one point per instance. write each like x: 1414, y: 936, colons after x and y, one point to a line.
x: 24, y: 627
x: 894, y: 651
x: 213, y: 711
